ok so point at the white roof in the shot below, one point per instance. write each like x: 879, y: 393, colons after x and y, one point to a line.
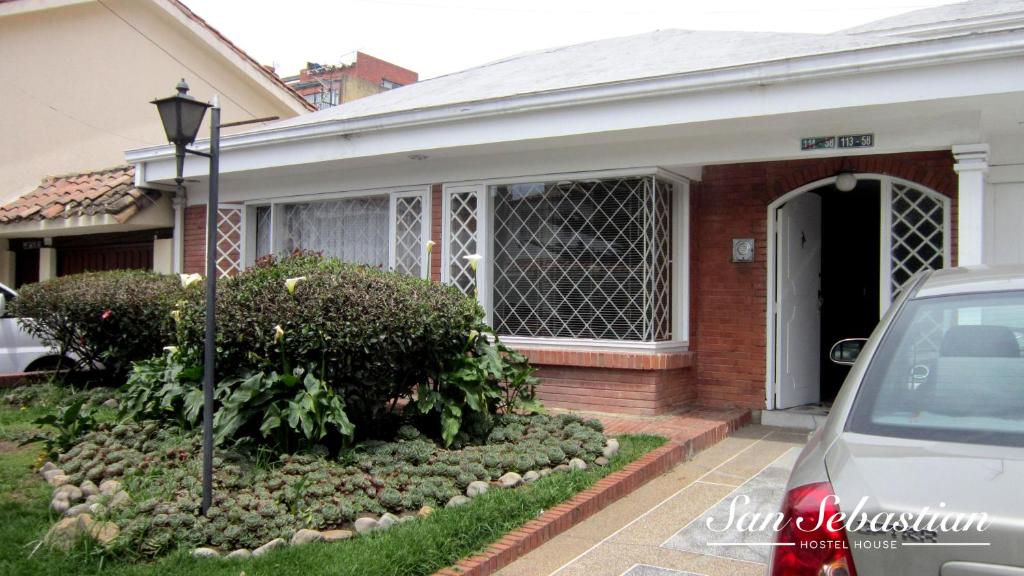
x: 952, y: 14
x: 601, y: 62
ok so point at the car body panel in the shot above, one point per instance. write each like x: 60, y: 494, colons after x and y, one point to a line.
x: 898, y: 474
x: 18, y: 349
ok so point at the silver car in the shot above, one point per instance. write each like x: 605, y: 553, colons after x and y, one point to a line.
x: 919, y: 468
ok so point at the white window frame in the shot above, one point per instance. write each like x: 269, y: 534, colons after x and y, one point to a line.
x: 425, y: 224
x: 680, y: 262
x: 278, y: 204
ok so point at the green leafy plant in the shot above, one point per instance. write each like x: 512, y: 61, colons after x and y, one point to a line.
x: 163, y: 388
x: 69, y: 424
x: 113, y: 318
x: 373, y: 336
x: 487, y: 378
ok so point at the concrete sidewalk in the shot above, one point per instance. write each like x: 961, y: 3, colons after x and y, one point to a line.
x: 660, y: 530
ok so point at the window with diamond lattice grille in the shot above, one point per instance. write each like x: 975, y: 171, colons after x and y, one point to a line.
x: 918, y: 221
x: 229, y: 241
x: 350, y: 229
x: 409, y: 235
x: 462, y: 225
x: 263, y: 238
x: 583, y: 259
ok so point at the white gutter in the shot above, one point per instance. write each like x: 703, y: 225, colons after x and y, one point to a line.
x: 916, y: 53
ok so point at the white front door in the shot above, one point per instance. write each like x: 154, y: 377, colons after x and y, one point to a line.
x: 798, y: 315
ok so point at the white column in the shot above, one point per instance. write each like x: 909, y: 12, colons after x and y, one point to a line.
x: 47, y: 263
x: 178, y: 238
x: 6, y: 263
x: 971, y: 165
x: 163, y: 255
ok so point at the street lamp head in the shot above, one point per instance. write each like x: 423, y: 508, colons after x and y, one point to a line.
x: 181, y: 115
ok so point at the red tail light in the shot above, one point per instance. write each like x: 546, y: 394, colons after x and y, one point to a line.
x: 810, y: 549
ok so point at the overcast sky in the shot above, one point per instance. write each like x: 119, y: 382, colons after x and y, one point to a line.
x: 435, y: 37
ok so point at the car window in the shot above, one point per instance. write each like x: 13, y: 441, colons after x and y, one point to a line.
x: 950, y: 368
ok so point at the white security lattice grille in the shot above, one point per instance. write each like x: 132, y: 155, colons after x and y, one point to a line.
x: 585, y: 259
x: 351, y: 229
x: 462, y: 224
x: 263, y: 245
x: 409, y: 235
x: 229, y: 241
x: 917, y: 233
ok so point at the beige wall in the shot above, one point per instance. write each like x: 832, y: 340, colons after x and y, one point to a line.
x: 77, y: 79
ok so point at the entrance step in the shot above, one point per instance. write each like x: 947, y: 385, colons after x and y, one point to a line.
x: 809, y: 417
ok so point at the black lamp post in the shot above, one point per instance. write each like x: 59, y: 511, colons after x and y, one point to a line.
x: 182, y: 115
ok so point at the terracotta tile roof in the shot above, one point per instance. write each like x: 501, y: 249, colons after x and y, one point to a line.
x: 111, y: 191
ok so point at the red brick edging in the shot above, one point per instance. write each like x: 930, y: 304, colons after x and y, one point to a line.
x: 587, y: 503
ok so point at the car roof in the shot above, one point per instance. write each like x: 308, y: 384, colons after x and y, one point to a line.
x: 969, y: 279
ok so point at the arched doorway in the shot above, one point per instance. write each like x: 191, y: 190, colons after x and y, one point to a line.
x: 836, y: 260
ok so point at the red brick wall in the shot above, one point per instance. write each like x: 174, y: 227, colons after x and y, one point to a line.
x: 435, y: 232
x: 728, y: 301
x: 375, y: 70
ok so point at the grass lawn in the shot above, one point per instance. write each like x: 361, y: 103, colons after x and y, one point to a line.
x: 419, y: 547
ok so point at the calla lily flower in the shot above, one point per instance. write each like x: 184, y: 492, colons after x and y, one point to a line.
x: 189, y: 279
x: 474, y: 260
x: 291, y: 283
x: 171, y: 349
x: 176, y: 314
x: 278, y: 333
x: 430, y: 246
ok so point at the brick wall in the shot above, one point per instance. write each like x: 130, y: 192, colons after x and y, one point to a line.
x: 728, y: 301
x: 435, y: 232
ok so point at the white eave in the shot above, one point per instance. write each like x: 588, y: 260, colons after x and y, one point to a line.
x: 903, y: 55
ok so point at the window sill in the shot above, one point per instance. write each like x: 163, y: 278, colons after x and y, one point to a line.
x: 609, y: 358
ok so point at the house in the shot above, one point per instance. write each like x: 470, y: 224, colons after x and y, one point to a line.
x: 664, y: 219
x: 325, y: 85
x: 77, y: 81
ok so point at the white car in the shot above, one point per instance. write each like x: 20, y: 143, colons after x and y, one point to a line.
x: 19, y: 350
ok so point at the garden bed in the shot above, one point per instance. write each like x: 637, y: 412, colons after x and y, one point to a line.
x: 420, y: 546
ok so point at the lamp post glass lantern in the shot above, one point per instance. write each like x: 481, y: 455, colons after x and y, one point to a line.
x: 182, y: 115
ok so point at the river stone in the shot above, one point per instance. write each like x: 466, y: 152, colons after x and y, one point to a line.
x: 110, y: 487
x: 387, y: 521
x: 457, y: 501
x: 545, y: 472
x: 425, y: 511
x: 104, y: 532
x: 110, y: 403
x: 59, y: 479
x: 305, y: 536
x: 577, y: 464
x: 510, y: 480
x: 60, y: 504
x: 476, y: 488
x: 47, y: 467
x: 70, y: 491
x: 336, y: 535
x: 89, y: 488
x: 601, y: 461
x: 205, y: 553
x: 275, y: 543
x: 97, y: 509
x: 47, y: 474
x: 77, y: 510
x: 92, y: 499
x: 531, y: 476
x: 365, y: 525
x: 121, y: 498
x: 562, y: 468
x: 240, y: 554
x: 65, y: 533
x: 611, y: 449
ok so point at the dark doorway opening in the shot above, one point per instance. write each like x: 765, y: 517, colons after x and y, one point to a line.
x: 850, y: 246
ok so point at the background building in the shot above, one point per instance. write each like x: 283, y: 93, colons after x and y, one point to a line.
x: 324, y: 85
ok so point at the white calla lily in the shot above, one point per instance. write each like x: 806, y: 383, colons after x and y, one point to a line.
x: 291, y: 283
x: 278, y: 333
x: 474, y: 260
x: 189, y: 279
x: 430, y: 246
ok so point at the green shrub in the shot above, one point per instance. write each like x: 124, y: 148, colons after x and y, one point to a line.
x: 372, y: 336
x: 114, y: 317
